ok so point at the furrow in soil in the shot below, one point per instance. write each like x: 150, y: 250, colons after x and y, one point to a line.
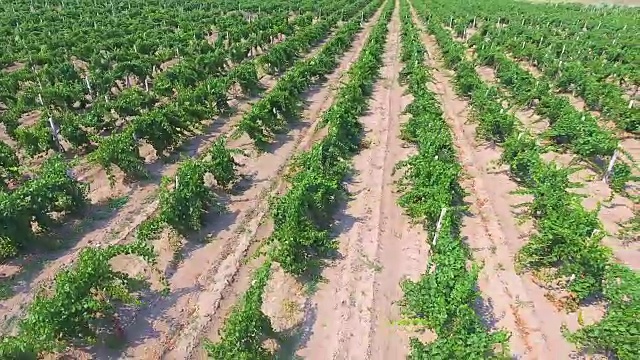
x: 353, y: 307
x: 211, y: 277
x: 141, y: 204
x: 510, y: 301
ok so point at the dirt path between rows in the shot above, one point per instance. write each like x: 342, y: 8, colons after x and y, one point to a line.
x: 511, y: 301
x: 120, y: 226
x: 629, y: 146
x: 616, y: 209
x: 352, y: 311
x: 211, y: 278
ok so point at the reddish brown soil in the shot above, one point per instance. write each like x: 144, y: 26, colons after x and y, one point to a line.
x: 353, y: 312
x: 102, y: 227
x: 353, y: 315
x: 512, y: 301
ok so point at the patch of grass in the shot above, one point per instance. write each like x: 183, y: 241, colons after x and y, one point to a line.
x: 118, y: 202
x: 373, y: 265
x: 289, y: 309
x: 629, y: 230
x: 6, y: 290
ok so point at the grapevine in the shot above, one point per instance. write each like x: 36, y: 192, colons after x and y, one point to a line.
x: 568, y: 236
x: 443, y: 298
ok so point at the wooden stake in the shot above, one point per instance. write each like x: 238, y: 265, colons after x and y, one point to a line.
x: 86, y: 80
x: 610, y: 167
x: 439, y: 226
x: 54, y: 133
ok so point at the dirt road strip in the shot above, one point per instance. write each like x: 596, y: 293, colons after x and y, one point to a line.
x: 207, y: 278
x: 511, y: 301
x: 377, y: 244
x: 403, y: 248
x: 120, y: 226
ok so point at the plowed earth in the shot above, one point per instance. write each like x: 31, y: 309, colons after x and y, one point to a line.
x: 353, y: 312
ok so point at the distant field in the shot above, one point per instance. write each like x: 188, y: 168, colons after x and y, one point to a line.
x: 594, y: 2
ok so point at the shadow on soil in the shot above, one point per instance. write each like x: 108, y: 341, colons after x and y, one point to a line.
x: 142, y: 323
x: 297, y: 337
x: 61, y: 238
x: 300, y: 123
x: 485, y: 310
x: 292, y: 339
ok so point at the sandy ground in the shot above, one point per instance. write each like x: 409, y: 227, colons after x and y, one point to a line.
x: 210, y: 278
x: 615, y: 208
x: 352, y: 313
x: 511, y: 301
x: 102, y: 225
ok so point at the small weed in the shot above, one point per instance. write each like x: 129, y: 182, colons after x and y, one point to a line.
x: 366, y: 143
x: 118, y: 202
x: 375, y: 266
x: 5, y: 290
x: 289, y: 309
x: 580, y: 318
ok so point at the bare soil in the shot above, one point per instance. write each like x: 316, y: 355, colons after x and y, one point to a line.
x: 511, y: 301
x: 104, y: 225
x: 211, y: 278
x: 352, y: 314
x: 14, y: 67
